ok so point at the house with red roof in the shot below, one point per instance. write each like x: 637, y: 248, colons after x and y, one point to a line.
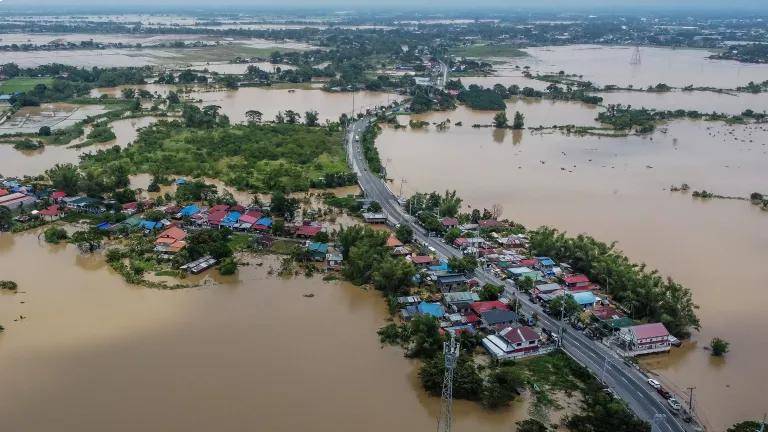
x: 393, y: 242
x: 219, y: 208
x: 215, y: 217
x: 449, y: 222
x: 308, y: 231
x: 488, y: 223
x: 513, y: 342
x: 479, y: 307
x: 578, y: 282
x: 171, y: 241
x: 130, y: 208
x: 3, y: 192
x: 55, y: 196
x: 51, y: 212
x: 421, y: 260
x: 645, y: 339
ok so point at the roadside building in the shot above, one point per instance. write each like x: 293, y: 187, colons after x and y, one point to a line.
x: 459, y: 301
x: 375, y: 218
x: 513, y: 342
x: 393, y: 242
x: 585, y: 299
x: 421, y: 260
x: 496, y: 319
x: 577, y: 282
x: 645, y: 339
x: 449, y: 222
x: 479, y: 307
x: 450, y: 282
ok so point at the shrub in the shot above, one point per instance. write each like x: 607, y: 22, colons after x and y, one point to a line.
x: 55, y: 235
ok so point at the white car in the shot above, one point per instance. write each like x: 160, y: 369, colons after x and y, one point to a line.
x: 655, y: 384
x: 674, y: 404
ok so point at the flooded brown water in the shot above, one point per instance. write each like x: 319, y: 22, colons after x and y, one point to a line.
x: 614, y: 189
x: 33, y: 162
x: 611, y: 65
x: 249, y: 351
x: 234, y: 103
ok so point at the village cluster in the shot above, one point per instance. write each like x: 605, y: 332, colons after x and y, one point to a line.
x: 509, y: 334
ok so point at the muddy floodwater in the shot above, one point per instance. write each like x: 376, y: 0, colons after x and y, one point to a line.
x: 605, y: 65
x: 234, y: 103
x: 617, y: 189
x: 242, y: 352
x: 33, y: 162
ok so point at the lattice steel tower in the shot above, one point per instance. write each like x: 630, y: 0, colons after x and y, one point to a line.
x: 451, y: 351
x: 636, y: 58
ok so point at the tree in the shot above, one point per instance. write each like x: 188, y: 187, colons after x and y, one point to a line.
x: 128, y: 93
x: 55, y: 235
x: 284, y: 205
x: 404, y: 233
x: 564, y: 305
x: 8, y: 285
x: 311, y: 118
x: 719, y: 347
x: 451, y: 235
x: 501, y: 387
x: 525, y: 284
x: 519, y: 121
x: 426, y: 341
x: 292, y: 117
x: 531, y: 425
x: 228, y: 266
x: 87, y: 241
x: 253, y: 116
x: 467, y: 382
x: 374, y: 207
x: 500, y: 120
x: 65, y: 177
x: 746, y: 426
x: 391, y: 275
x: 466, y: 264
x: 44, y: 131
x: 490, y: 292
x: 6, y: 217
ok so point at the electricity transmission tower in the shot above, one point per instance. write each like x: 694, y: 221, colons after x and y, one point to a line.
x: 451, y: 351
x: 636, y: 59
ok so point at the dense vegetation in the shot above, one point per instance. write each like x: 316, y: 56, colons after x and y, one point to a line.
x: 747, y: 53
x: 647, y: 296
x: 480, y: 98
x: 260, y: 157
x: 65, y: 82
x: 368, y: 260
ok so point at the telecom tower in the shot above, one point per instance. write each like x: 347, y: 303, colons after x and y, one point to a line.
x: 451, y: 351
x: 636, y: 59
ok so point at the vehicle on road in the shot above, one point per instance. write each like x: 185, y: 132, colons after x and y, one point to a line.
x: 655, y: 384
x: 674, y: 404
x: 664, y: 393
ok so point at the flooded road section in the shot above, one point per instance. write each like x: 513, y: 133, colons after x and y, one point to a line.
x: 249, y: 351
x: 614, y: 189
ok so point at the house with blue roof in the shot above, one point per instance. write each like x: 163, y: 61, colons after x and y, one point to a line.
x: 317, y: 250
x: 432, y: 309
x: 189, y: 211
x: 230, y: 219
x: 263, y: 224
x: 585, y: 299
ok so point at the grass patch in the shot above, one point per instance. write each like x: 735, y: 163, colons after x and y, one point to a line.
x: 239, y: 242
x: 488, y: 50
x: 22, y: 84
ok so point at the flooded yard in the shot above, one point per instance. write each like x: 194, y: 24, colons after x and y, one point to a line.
x: 617, y: 189
x: 244, y: 350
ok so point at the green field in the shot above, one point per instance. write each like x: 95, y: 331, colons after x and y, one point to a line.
x: 22, y: 84
x: 487, y: 50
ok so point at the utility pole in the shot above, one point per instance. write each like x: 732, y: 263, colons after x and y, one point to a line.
x: 690, y: 398
x: 402, y: 182
x: 451, y: 351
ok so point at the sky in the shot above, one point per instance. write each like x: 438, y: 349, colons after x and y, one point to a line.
x: 680, y: 5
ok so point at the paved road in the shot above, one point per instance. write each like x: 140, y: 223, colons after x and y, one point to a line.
x: 625, y: 380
